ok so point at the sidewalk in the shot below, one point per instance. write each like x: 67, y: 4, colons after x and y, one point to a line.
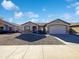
x: 39, y: 52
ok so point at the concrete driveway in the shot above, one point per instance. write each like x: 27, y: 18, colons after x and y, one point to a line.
x: 28, y: 39
x: 37, y: 39
x: 69, y: 39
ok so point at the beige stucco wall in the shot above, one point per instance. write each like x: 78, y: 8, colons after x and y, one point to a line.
x: 28, y: 24
x: 31, y: 25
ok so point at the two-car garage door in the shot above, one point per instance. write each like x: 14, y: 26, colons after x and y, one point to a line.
x: 57, y: 29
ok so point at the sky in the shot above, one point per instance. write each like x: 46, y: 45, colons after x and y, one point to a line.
x: 39, y: 11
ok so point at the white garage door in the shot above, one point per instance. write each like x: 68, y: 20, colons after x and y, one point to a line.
x: 57, y: 29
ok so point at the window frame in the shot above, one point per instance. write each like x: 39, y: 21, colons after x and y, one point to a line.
x: 26, y: 27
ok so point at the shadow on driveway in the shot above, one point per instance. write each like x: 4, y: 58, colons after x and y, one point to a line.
x: 31, y: 37
x: 68, y: 38
x: 38, y: 39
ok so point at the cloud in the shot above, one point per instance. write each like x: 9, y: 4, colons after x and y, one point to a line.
x: 68, y: 6
x: 10, y: 19
x: 18, y: 15
x: 66, y: 16
x: 32, y: 15
x: 70, y: 1
x: 77, y: 8
x: 43, y: 9
x: 50, y: 15
x: 9, y: 5
x: 34, y: 20
x: 77, y: 12
x: 74, y: 5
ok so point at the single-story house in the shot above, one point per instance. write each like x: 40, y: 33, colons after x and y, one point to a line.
x: 57, y: 26
x: 75, y: 28
x: 29, y: 27
x: 54, y: 27
x: 6, y: 26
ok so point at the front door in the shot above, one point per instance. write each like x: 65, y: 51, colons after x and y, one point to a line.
x: 1, y: 29
x: 34, y: 29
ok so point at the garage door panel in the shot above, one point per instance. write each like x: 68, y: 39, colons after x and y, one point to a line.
x: 57, y: 29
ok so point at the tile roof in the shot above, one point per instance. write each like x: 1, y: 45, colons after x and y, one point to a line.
x: 41, y: 24
x: 74, y: 24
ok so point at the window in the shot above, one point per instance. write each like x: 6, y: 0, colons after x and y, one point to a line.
x: 26, y: 27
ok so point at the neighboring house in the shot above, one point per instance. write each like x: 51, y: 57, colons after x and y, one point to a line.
x: 6, y: 26
x: 55, y: 27
x: 75, y: 28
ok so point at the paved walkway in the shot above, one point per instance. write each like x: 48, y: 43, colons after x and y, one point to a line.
x: 39, y: 52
